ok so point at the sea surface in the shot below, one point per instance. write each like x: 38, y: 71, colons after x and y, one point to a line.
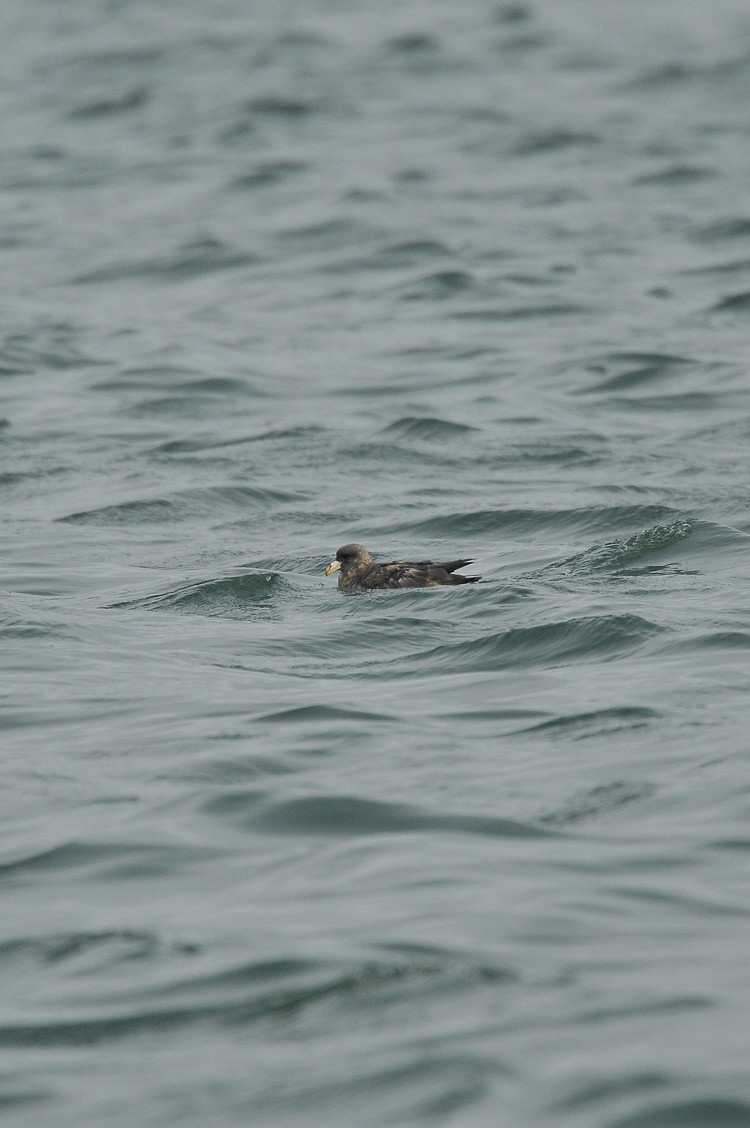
x: 448, y: 279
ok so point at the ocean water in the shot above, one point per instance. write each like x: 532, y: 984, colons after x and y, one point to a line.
x: 450, y: 280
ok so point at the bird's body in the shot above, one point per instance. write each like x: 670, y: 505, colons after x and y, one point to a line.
x: 357, y: 569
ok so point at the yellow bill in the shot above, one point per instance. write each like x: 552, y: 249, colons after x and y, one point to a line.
x: 334, y: 566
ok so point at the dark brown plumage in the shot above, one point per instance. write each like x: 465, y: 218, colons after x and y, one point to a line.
x: 357, y: 569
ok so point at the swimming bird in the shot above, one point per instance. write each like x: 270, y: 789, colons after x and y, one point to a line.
x: 357, y: 569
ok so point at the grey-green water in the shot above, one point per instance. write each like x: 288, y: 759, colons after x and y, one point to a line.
x: 448, y: 279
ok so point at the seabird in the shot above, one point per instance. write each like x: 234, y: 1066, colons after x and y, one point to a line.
x: 357, y: 569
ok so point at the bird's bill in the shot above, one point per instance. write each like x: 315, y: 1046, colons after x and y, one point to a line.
x: 334, y: 566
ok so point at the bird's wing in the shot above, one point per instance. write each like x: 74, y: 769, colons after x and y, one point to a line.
x: 400, y: 574
x: 449, y: 566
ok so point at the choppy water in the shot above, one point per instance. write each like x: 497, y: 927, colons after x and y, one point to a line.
x: 448, y: 279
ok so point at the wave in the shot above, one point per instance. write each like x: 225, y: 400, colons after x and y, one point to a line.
x: 712, y: 1112
x: 194, y: 989
x: 427, y: 427
x: 617, y: 555
x: 350, y: 815
x: 734, y: 303
x: 538, y: 522
x: 525, y: 312
x: 233, y: 597
x: 438, y: 286
x: 179, y: 506
x: 626, y: 371
x: 599, y: 800
x: 192, y: 260
x: 595, y: 637
x: 595, y: 723
x: 268, y: 174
